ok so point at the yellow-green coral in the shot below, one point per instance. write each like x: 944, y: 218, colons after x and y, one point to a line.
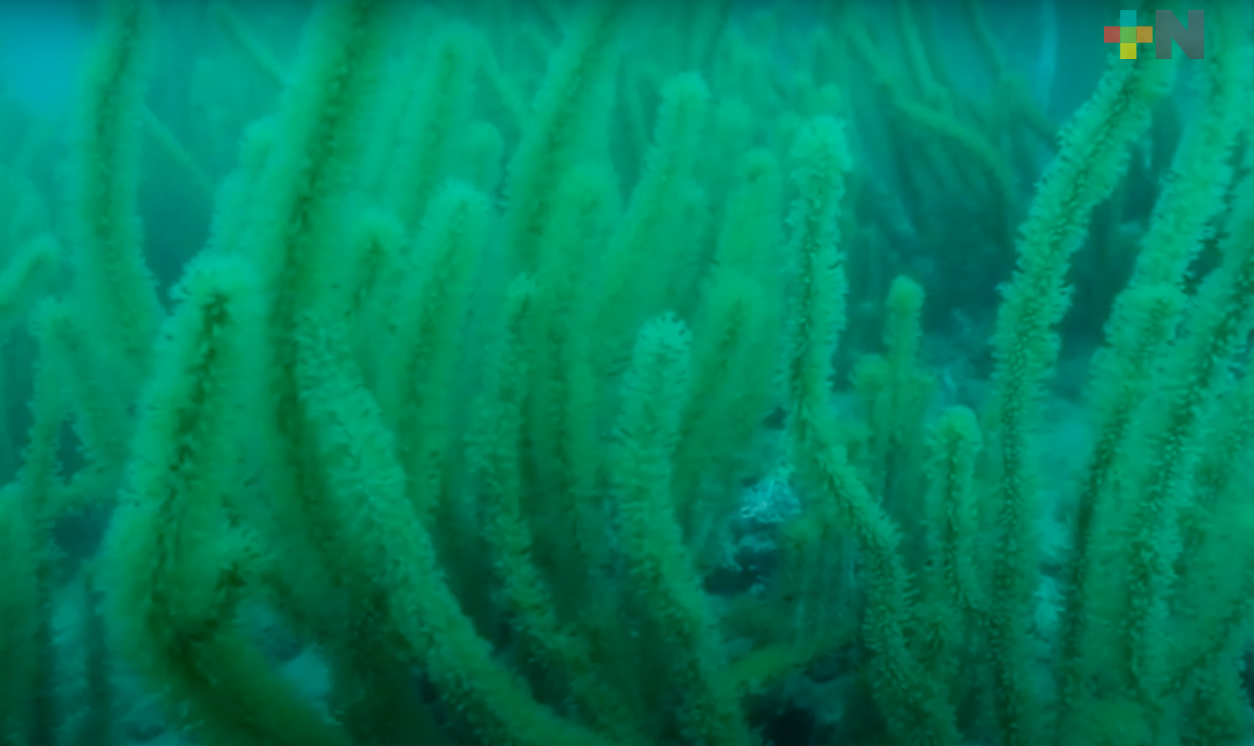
x: 486, y: 423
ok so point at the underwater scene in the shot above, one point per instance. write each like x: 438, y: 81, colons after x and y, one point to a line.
x: 626, y: 373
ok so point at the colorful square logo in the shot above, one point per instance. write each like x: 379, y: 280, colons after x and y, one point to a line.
x: 1128, y: 34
